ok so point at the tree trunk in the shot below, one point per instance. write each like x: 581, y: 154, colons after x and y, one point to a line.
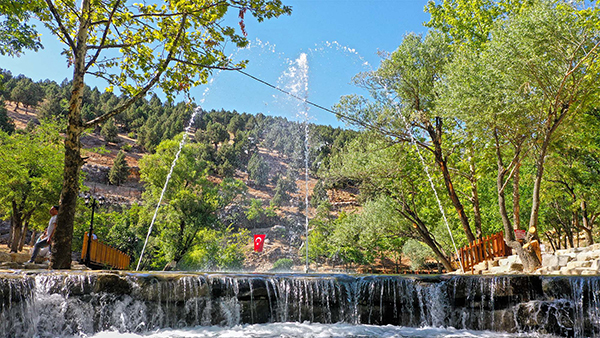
x: 430, y: 242
x: 517, y: 196
x: 33, y: 236
x: 63, y: 234
x: 554, y: 121
x: 528, y: 257
x: 587, y: 228
x: 17, y: 226
x: 23, y: 235
x: 475, y: 198
x: 436, y: 137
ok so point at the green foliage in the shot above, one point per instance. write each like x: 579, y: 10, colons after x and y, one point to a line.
x: 217, y: 250
x: 16, y: 34
x: 119, y: 171
x: 26, y: 92
x: 110, y: 132
x: 417, y: 253
x: 258, y: 170
x: 7, y: 125
x: 30, y: 174
x: 470, y: 21
x: 284, y: 187
x: 283, y: 264
x: 191, y: 200
x: 259, y: 216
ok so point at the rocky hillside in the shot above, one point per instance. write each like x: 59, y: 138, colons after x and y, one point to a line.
x: 281, y: 241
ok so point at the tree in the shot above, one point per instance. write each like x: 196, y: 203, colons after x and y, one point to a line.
x: 116, y: 40
x: 258, y: 170
x: 31, y: 177
x: 216, y: 133
x: 119, y: 171
x: 26, y: 92
x: 110, y: 132
x: 284, y: 187
x: 191, y: 200
x: 402, y: 190
x: 410, y: 75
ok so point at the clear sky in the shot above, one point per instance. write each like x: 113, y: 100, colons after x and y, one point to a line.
x: 339, y: 37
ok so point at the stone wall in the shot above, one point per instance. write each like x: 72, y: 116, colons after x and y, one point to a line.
x: 87, y: 302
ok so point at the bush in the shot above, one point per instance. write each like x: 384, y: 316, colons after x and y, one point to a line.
x: 126, y: 147
x: 257, y: 215
x: 283, y: 264
x: 417, y: 252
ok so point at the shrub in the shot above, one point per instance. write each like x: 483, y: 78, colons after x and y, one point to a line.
x: 417, y: 253
x: 283, y: 264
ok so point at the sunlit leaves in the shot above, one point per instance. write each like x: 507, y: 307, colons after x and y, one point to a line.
x: 136, y: 41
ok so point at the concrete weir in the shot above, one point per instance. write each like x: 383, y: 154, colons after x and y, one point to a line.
x: 55, y: 303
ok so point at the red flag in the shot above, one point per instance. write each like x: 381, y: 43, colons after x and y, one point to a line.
x: 259, y: 240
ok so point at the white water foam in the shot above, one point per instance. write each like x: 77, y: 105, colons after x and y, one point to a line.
x: 304, y: 330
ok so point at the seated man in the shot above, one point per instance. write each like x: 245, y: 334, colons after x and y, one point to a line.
x: 46, y: 239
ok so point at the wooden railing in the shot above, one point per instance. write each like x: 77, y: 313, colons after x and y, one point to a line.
x: 102, y: 254
x: 483, y: 249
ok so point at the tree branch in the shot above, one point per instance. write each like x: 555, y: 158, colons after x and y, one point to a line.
x: 104, y: 35
x: 62, y: 28
x: 143, y: 91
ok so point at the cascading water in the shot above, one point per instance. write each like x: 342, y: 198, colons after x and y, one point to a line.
x: 55, y: 304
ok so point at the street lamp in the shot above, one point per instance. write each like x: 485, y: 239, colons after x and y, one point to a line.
x: 92, y: 202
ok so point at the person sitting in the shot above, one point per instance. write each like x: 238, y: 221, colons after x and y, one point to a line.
x: 46, y: 239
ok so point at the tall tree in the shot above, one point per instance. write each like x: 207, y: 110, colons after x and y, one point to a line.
x: 120, y: 170
x: 31, y: 177
x: 404, y: 107
x: 191, y: 200
x: 136, y: 47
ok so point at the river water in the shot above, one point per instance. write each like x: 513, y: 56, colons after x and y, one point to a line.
x: 312, y: 330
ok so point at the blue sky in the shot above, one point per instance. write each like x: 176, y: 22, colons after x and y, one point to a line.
x: 339, y: 37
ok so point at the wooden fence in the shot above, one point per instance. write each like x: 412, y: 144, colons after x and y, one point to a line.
x: 483, y: 249
x: 102, y: 254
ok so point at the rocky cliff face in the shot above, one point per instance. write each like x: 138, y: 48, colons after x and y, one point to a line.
x: 52, y: 304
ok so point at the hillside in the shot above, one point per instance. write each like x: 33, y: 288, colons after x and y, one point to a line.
x: 282, y: 241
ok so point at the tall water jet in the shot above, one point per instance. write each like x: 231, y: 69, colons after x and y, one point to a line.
x: 296, y: 78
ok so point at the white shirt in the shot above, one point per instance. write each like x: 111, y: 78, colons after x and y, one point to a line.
x: 51, y: 226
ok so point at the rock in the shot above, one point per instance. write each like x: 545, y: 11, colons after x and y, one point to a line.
x: 9, y: 265
x: 20, y: 257
x: 5, y: 257
x: 515, y: 267
x: 112, y: 283
x: 578, y: 264
x: 481, y: 266
x: 555, y: 262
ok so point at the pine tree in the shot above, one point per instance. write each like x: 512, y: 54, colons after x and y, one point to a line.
x: 119, y: 171
x: 110, y: 131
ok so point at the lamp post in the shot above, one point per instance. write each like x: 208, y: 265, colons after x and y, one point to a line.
x: 92, y: 202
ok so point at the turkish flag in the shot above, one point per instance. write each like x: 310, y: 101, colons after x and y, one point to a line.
x: 259, y: 240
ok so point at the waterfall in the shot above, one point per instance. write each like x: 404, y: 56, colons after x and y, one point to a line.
x: 52, y: 304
